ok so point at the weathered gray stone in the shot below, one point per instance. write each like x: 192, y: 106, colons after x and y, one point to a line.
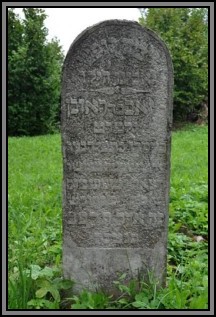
x: 116, y: 129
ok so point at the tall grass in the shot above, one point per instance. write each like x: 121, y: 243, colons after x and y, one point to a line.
x: 35, y: 227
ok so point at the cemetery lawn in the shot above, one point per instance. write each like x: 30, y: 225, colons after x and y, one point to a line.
x: 35, y: 230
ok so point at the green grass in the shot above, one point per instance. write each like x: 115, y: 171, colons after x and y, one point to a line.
x: 35, y: 230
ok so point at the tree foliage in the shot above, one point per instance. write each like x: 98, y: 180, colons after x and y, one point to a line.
x: 185, y: 31
x: 34, y: 74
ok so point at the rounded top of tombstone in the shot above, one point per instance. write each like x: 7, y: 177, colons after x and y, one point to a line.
x: 116, y: 22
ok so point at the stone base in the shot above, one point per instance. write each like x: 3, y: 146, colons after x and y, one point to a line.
x: 96, y: 268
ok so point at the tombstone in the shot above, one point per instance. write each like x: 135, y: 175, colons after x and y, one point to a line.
x: 116, y: 133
